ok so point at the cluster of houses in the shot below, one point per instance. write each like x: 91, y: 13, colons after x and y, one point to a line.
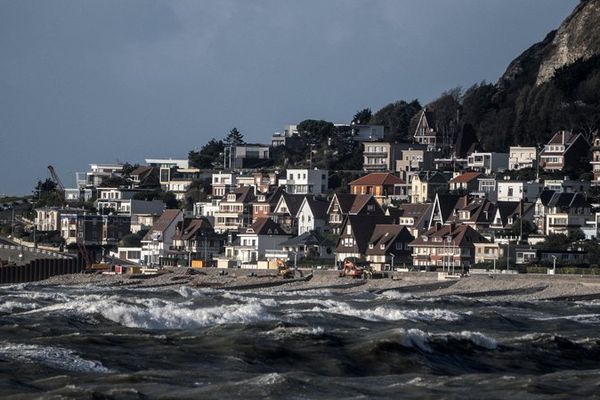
x: 416, y: 204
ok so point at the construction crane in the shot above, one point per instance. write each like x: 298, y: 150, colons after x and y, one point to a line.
x: 56, y: 179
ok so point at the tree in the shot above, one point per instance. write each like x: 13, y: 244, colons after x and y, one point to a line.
x: 397, y: 118
x: 209, y: 156
x: 362, y: 117
x: 47, y: 194
x: 234, y: 138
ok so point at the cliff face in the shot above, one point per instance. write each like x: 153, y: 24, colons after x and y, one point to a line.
x: 578, y: 37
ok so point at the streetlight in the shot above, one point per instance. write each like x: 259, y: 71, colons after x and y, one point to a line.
x: 553, y: 266
x: 392, y: 255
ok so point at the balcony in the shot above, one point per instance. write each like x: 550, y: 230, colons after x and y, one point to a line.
x: 379, y: 154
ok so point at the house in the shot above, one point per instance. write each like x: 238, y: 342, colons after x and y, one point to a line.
x: 312, y: 215
x: 355, y: 233
x: 307, y: 181
x: 487, y: 252
x: 235, y: 210
x: 48, y: 218
x: 488, y: 188
x: 159, y: 239
x: 246, y: 155
x: 428, y: 134
x: 487, y: 162
x: 93, y: 229
x: 521, y: 157
x: 567, y: 185
x: 141, y: 222
x: 560, y: 212
x: 310, y: 245
x: 145, y: 177
x: 466, y: 182
x: 207, y: 209
x: 477, y: 213
x: 518, y: 190
x: 596, y: 159
x: 507, y: 213
x: 221, y: 183
x: 565, y: 150
x: 289, y: 137
x: 130, y: 207
x: 413, y: 157
x: 343, y: 204
x: 414, y: 216
x: 286, y: 209
x: 367, y: 133
x: 194, y: 240
x: 445, y: 208
x: 426, y: 184
x: 264, y: 204
x: 381, y: 185
x: 380, y: 156
x: 447, y: 246
x: 388, y: 246
x: 97, y: 174
x: 252, y: 243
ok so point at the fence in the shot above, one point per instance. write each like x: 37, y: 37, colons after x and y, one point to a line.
x: 39, y: 269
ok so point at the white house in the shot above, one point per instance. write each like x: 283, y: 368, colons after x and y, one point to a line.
x: 312, y: 215
x: 307, y: 181
x: 252, y: 243
x: 488, y: 162
x: 159, y: 239
x: 518, y: 190
x: 521, y: 157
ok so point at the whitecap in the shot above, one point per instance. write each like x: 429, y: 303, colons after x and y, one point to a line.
x: 381, y: 313
x: 53, y: 357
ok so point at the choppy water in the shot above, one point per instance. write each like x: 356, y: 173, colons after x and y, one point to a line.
x: 86, y: 342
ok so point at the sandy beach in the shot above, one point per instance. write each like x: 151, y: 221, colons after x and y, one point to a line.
x: 414, y: 284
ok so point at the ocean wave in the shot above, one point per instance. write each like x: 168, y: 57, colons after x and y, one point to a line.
x: 282, y: 332
x: 396, y: 295
x: 53, y: 357
x: 580, y: 318
x: 427, y: 342
x: 158, y: 313
x: 8, y: 307
x: 381, y: 313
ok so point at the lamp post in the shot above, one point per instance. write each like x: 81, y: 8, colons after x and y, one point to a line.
x: 553, y: 265
x: 392, y: 255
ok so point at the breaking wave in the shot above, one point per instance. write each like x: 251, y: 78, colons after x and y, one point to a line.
x: 382, y: 313
x: 53, y: 357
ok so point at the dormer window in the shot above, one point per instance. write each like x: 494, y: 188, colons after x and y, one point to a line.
x: 371, y: 245
x: 231, y: 197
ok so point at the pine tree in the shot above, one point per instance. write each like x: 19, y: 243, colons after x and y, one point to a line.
x: 234, y: 138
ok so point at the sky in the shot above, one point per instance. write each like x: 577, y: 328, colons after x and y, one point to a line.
x: 104, y: 81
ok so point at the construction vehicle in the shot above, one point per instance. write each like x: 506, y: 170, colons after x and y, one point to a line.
x: 283, y: 270
x: 354, y: 268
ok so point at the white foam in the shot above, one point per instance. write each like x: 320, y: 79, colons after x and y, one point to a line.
x: 381, y: 313
x: 581, y: 318
x: 282, y: 332
x: 422, y: 340
x: 160, y: 314
x: 477, y: 338
x: 53, y: 357
x: 396, y: 295
x: 10, y: 306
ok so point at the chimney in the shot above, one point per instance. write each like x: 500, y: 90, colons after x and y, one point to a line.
x: 452, y: 226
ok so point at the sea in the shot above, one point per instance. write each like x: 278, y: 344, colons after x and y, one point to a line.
x: 91, y: 342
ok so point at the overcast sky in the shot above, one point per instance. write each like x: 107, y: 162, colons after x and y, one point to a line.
x: 86, y: 81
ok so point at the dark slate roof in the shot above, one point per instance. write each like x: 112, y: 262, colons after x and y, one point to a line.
x: 266, y: 226
x: 564, y: 201
x: 432, y: 177
x: 162, y: 223
x: 293, y: 202
x: 318, y: 207
x: 363, y: 227
x: 387, y: 235
x: 189, y: 227
x: 447, y: 203
x: 352, y: 203
x: 309, y: 239
x: 461, y: 235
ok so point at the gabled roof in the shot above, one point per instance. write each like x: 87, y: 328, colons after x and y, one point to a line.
x: 387, y: 235
x: 188, y: 228
x: 442, y: 236
x: 564, y: 201
x: 167, y: 218
x: 244, y: 194
x: 446, y: 204
x: 266, y: 226
x: 466, y: 177
x: 292, y: 202
x: 507, y: 209
x: 363, y: 227
x: 432, y: 177
x: 377, y: 179
x: 311, y: 238
x: 420, y: 212
x: 352, y: 203
x: 566, y: 138
x: 317, y: 207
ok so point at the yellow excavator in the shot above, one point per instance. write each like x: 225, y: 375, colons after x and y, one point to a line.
x: 283, y: 270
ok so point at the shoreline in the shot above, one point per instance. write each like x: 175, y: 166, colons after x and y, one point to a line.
x: 498, y: 287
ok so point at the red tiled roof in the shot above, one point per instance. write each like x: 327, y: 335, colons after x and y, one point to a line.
x: 466, y: 177
x: 378, y: 179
